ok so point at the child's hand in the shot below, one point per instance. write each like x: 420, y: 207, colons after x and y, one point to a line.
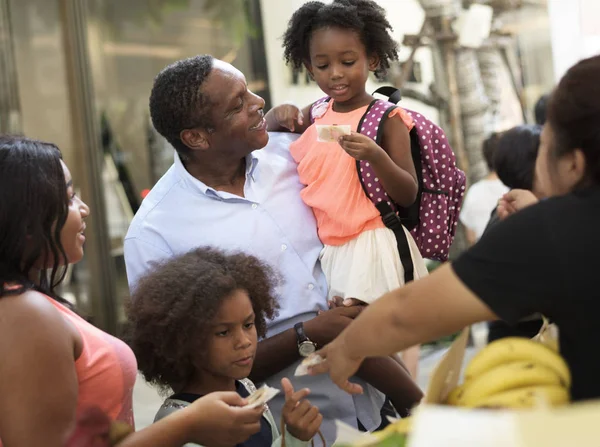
x: 301, y: 418
x: 285, y: 115
x: 360, y: 147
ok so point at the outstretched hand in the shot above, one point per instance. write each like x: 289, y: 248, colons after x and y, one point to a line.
x: 339, y: 365
x: 220, y: 419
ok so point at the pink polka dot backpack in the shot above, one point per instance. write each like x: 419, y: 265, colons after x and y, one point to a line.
x: 433, y: 218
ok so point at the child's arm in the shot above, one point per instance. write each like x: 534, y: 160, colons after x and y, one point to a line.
x: 393, y: 380
x: 393, y: 165
x: 288, y: 118
x: 388, y: 374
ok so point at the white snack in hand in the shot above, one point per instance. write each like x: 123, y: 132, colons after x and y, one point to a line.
x: 312, y: 360
x: 261, y: 396
x: 331, y: 133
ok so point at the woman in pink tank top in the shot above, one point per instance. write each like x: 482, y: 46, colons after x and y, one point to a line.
x: 56, y: 366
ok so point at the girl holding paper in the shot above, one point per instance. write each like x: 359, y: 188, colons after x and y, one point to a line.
x: 340, y: 44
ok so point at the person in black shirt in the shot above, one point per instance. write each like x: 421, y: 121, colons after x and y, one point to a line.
x: 514, y: 162
x: 541, y: 259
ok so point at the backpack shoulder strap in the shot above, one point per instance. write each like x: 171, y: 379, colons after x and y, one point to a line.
x: 371, y: 125
x: 394, y: 94
x: 315, y: 106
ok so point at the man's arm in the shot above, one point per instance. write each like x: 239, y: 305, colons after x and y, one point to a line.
x: 274, y: 354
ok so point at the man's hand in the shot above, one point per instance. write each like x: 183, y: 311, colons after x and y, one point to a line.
x: 302, y: 419
x: 328, y: 324
x: 219, y: 419
x: 338, y: 301
x: 286, y: 116
x: 360, y: 147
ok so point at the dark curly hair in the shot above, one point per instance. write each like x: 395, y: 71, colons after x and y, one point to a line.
x: 540, y: 109
x: 365, y: 17
x: 177, y: 101
x: 172, y: 306
x: 488, y: 148
x: 515, y: 155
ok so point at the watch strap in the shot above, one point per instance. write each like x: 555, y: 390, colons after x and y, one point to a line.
x: 300, y: 334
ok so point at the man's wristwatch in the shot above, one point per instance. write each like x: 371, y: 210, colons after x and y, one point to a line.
x: 305, y: 346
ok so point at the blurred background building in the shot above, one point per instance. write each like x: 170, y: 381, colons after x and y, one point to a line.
x: 79, y: 72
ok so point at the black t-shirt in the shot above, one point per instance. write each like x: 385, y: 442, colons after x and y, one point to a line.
x: 545, y: 259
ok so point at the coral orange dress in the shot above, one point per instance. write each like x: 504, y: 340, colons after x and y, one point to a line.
x: 360, y: 258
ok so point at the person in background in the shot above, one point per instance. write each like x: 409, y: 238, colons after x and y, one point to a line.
x: 55, y: 365
x: 540, y: 108
x: 514, y: 161
x: 482, y: 197
x: 194, y: 323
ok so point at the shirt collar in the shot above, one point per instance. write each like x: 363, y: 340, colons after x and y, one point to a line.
x: 251, y: 163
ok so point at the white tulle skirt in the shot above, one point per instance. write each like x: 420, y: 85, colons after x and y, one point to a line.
x: 368, y: 266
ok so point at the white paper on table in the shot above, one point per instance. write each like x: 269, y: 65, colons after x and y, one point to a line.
x: 435, y: 426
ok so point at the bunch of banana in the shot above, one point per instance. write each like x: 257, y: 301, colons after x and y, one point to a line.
x: 514, y: 373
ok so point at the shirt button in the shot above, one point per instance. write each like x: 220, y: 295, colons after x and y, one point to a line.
x: 311, y: 286
x: 254, y: 206
x: 283, y: 247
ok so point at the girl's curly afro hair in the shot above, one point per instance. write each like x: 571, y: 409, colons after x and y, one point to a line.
x: 365, y: 17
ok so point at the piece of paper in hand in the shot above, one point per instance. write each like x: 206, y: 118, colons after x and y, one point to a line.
x: 311, y: 360
x: 332, y: 133
x: 261, y: 396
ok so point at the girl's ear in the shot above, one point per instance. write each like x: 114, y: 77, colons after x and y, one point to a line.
x: 373, y: 62
x: 309, y: 69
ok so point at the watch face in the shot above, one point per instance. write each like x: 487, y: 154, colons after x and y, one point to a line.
x: 306, y: 348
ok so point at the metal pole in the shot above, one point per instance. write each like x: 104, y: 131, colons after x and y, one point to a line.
x: 10, y: 106
x: 102, y: 274
x: 458, y: 143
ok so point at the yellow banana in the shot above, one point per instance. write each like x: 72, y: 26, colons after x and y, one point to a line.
x: 507, y: 377
x: 455, y: 395
x: 402, y: 426
x: 527, y: 397
x: 512, y: 349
